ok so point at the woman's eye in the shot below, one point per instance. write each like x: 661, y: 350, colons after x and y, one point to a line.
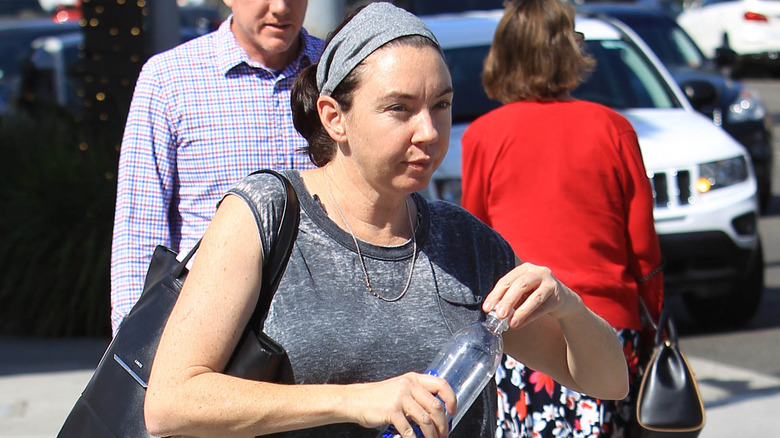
x: 397, y: 108
x: 444, y: 104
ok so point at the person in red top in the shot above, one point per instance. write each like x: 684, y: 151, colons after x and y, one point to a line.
x: 564, y: 182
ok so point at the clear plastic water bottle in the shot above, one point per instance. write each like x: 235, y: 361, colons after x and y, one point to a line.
x: 467, y: 362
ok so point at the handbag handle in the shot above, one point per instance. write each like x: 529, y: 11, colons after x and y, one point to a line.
x: 666, y: 322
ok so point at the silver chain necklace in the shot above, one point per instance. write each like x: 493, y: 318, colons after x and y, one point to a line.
x: 360, y: 255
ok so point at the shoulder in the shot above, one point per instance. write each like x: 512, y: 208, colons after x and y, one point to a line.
x: 265, y: 194
x: 493, y: 116
x: 606, y: 114
x: 506, y: 118
x: 452, y: 214
x: 456, y: 226
x: 312, y: 46
x: 258, y: 187
x: 185, y: 57
x: 466, y: 247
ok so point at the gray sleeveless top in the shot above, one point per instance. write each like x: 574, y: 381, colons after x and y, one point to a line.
x: 336, y: 331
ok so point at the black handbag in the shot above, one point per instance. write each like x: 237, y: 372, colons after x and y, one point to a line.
x: 668, y: 403
x: 111, y: 405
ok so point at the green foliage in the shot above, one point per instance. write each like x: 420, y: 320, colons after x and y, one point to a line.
x: 57, y: 191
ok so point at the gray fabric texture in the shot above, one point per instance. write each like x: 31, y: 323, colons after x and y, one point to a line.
x: 336, y: 332
x: 374, y: 26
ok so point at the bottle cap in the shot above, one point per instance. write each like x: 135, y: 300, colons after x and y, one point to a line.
x: 501, y: 325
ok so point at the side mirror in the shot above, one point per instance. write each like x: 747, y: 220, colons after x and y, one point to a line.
x: 700, y: 93
x: 725, y: 57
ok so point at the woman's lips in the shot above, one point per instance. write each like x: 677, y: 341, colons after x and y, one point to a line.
x: 419, y: 164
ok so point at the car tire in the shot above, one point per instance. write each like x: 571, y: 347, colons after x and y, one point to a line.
x: 735, y: 308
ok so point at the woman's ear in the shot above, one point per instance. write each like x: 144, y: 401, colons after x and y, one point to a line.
x: 332, y: 118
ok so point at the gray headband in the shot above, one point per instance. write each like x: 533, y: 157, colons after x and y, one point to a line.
x: 374, y: 26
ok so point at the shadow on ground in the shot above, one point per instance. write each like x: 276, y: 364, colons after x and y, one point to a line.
x: 31, y: 355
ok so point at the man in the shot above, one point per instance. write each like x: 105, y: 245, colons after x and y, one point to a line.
x: 204, y: 115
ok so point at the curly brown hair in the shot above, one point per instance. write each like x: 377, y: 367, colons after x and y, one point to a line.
x: 535, y: 55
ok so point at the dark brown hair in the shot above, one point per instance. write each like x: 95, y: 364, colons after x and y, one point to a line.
x: 535, y: 55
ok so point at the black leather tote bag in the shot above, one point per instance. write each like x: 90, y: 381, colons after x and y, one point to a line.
x: 668, y: 403
x: 112, y: 403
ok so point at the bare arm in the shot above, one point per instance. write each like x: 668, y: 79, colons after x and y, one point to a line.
x: 551, y: 330
x: 187, y: 394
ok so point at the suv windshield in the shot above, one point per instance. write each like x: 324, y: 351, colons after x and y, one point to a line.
x: 623, y: 78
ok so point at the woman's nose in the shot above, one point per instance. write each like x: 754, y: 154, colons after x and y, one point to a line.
x: 426, y: 130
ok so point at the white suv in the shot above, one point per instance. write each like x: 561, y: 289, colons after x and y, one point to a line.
x: 703, y: 180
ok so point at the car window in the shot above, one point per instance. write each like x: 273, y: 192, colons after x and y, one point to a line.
x: 470, y: 100
x: 670, y: 43
x: 623, y: 78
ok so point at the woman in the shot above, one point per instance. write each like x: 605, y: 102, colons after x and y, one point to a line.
x: 378, y: 279
x: 563, y: 181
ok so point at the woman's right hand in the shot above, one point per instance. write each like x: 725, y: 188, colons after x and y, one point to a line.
x: 409, y: 397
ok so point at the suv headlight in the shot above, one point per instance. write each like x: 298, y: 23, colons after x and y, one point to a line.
x: 723, y: 173
x: 747, y: 106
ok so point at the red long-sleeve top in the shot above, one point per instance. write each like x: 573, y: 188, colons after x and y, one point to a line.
x: 565, y: 184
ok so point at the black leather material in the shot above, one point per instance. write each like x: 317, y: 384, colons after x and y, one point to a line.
x: 668, y: 403
x: 112, y: 403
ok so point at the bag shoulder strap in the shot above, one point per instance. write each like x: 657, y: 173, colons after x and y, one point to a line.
x: 280, y: 250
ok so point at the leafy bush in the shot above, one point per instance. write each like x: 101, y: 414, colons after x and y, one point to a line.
x: 57, y: 191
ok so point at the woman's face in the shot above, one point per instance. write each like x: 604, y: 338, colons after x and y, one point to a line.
x: 398, y: 127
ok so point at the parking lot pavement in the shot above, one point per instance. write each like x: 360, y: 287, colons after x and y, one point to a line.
x: 737, y: 402
x: 41, y: 379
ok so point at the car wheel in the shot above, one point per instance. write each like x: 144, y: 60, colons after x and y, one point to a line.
x: 736, y: 307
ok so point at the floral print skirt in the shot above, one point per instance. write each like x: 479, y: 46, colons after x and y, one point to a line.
x: 531, y: 404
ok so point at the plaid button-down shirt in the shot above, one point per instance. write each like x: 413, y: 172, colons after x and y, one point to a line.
x: 203, y: 116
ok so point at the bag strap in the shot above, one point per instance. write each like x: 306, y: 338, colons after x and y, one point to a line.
x: 278, y: 254
x: 646, y: 316
x: 645, y: 312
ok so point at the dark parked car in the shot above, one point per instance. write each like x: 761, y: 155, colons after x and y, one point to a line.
x: 730, y: 104
x: 51, y: 68
x: 16, y: 35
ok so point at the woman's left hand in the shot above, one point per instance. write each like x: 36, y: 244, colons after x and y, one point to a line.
x: 528, y: 292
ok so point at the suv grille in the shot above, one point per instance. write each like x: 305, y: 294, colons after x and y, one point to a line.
x: 671, y: 188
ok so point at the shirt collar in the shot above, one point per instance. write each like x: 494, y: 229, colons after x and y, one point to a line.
x: 230, y: 54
